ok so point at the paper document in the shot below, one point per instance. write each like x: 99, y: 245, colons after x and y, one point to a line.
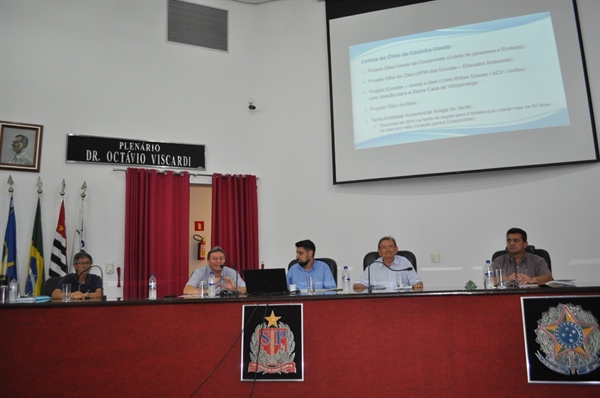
x: 561, y: 282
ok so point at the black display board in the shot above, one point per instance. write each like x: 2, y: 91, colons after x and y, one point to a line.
x: 123, y: 151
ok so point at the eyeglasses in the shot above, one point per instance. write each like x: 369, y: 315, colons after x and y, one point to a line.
x: 86, y: 263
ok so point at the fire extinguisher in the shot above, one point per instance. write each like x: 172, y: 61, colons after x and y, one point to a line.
x: 201, y: 247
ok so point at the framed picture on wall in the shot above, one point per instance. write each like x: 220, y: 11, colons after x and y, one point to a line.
x: 20, y: 146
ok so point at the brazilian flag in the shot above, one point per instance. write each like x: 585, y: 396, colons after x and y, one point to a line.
x: 36, y: 277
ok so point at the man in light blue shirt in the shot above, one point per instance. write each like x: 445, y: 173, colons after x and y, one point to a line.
x: 382, y: 273
x: 225, y: 277
x: 308, y: 266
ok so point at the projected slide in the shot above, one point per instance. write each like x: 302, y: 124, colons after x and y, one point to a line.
x: 491, y: 77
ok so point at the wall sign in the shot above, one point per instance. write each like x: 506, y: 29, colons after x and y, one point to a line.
x: 123, y: 151
x: 199, y: 225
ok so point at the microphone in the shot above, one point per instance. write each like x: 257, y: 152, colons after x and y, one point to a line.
x: 400, y: 270
x: 237, y: 293
x: 101, y: 273
x: 395, y: 270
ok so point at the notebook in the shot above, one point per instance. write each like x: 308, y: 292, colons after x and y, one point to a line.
x: 262, y: 282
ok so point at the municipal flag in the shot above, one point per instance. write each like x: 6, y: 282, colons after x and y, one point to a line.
x: 58, y: 259
x: 36, y: 277
x: 9, y: 252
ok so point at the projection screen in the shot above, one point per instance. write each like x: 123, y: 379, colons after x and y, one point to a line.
x: 447, y: 86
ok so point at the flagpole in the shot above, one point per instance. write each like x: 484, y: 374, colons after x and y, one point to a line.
x: 78, y: 236
x: 58, y: 258
x: 36, y: 276
x: 8, y: 268
x: 10, y: 183
x: 82, y: 247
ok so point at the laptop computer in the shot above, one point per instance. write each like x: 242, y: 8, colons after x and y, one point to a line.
x: 264, y: 282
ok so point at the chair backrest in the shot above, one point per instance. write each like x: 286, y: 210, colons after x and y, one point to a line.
x: 51, y: 284
x: 329, y: 261
x: 372, y: 256
x: 529, y: 249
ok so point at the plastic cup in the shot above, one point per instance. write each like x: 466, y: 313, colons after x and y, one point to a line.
x: 500, y: 282
x: 3, y: 294
x: 66, y: 292
x: 310, y: 285
x: 401, y: 280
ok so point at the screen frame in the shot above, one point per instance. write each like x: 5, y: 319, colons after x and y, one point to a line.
x: 339, y: 9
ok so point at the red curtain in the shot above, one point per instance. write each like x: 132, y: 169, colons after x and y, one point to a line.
x: 235, y: 219
x: 156, y: 232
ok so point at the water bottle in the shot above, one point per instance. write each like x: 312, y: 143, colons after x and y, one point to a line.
x: 488, y: 276
x: 13, y: 291
x: 152, y: 288
x: 211, y: 285
x: 346, y: 288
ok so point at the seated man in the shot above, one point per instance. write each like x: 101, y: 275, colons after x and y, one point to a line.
x: 382, y: 269
x: 308, y: 266
x: 83, y: 283
x: 225, y: 277
x: 530, y: 268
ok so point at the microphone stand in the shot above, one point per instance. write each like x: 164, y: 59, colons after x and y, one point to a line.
x: 370, y: 288
x: 394, y: 270
x: 514, y: 284
x: 237, y: 293
x: 103, y: 298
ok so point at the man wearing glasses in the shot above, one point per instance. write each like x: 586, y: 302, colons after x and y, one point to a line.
x: 84, y: 285
x: 19, y: 143
x: 385, y: 268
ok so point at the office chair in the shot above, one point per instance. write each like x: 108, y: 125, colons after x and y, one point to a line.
x: 51, y: 284
x: 372, y: 256
x: 529, y: 249
x: 329, y: 261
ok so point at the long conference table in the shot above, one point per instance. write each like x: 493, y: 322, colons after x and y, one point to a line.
x: 434, y: 343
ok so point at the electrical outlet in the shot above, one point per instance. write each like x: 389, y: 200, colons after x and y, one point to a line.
x: 110, y: 268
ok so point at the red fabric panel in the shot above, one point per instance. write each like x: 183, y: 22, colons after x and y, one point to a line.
x: 156, y: 232
x: 235, y: 219
x: 136, y: 230
x: 423, y: 346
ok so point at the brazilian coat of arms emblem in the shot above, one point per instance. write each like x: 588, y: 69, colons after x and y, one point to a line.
x: 569, y: 340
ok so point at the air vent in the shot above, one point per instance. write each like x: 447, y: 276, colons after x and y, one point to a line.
x: 197, y: 25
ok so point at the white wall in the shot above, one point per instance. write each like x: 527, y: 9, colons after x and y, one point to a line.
x: 104, y: 68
